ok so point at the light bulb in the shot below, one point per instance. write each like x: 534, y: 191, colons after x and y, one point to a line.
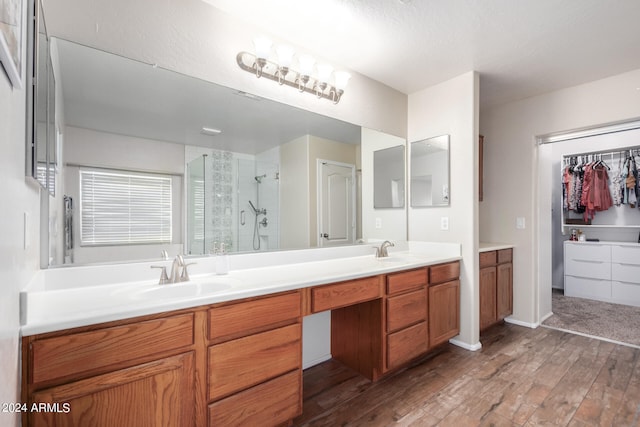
x: 306, y: 64
x: 342, y: 78
x: 262, y: 46
x: 324, y: 72
x: 285, y: 56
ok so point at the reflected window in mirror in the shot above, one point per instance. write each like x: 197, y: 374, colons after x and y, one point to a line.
x: 430, y: 172
x: 388, y: 178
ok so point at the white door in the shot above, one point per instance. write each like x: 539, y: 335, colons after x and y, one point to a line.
x: 336, y: 203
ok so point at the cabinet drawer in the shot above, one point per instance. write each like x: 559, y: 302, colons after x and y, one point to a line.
x: 406, y: 344
x: 407, y: 280
x: 626, y: 293
x: 406, y: 309
x: 444, y: 272
x: 588, y: 269
x: 345, y: 293
x: 588, y: 288
x: 244, y: 362
x: 248, y: 317
x: 587, y: 252
x: 487, y: 259
x: 625, y: 254
x: 272, y: 403
x: 505, y: 255
x: 625, y: 272
x: 95, y: 350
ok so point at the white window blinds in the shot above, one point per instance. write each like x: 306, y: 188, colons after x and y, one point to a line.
x: 118, y: 208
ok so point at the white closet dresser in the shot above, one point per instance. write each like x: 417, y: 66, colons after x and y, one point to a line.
x: 605, y: 271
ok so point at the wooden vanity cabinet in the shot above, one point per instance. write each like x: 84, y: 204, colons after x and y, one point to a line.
x: 255, y: 361
x: 406, y: 331
x: 496, y: 286
x: 444, y: 303
x: 125, y: 374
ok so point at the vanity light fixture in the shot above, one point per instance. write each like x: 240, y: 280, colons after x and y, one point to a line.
x: 319, y: 80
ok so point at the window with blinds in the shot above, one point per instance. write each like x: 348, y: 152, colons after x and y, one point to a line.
x: 119, y: 208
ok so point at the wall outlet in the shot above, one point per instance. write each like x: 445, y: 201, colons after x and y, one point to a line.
x: 378, y: 222
x: 444, y: 223
x: 520, y: 224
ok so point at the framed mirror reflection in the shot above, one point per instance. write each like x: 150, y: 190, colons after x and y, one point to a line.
x: 430, y: 172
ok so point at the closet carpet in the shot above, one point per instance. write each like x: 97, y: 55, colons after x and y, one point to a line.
x: 615, y: 322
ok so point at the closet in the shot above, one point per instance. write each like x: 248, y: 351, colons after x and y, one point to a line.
x: 601, y: 190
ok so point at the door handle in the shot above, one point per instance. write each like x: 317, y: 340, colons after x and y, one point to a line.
x: 325, y: 235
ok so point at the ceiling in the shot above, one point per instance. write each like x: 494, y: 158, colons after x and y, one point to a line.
x: 521, y: 48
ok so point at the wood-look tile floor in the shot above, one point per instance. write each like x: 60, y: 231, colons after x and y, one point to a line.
x: 521, y: 377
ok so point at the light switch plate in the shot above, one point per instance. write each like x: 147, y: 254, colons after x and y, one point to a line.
x: 378, y: 222
x: 520, y: 224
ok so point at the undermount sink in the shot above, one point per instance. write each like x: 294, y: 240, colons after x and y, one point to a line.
x: 182, y: 290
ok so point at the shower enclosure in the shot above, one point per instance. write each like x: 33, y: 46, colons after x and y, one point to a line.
x: 232, y: 199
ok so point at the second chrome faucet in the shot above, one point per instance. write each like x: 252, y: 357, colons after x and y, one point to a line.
x: 381, y: 252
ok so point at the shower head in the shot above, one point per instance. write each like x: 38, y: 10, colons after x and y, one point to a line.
x: 259, y: 178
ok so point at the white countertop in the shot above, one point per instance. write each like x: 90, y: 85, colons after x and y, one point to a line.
x: 602, y: 242
x: 488, y: 246
x: 79, y: 296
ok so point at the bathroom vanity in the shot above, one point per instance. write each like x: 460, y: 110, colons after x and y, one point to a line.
x: 496, y: 283
x: 233, y: 357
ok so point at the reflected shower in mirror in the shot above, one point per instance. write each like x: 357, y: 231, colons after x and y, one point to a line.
x: 206, y: 152
x: 430, y: 172
x: 388, y: 177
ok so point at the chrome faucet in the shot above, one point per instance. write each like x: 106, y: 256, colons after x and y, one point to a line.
x: 178, y: 273
x: 381, y: 252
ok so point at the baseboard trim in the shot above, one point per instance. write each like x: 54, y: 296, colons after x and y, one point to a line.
x: 546, y: 316
x: 471, y: 347
x: 521, y: 323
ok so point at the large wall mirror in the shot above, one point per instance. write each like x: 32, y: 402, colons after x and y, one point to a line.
x: 41, y: 141
x: 203, y: 164
x: 388, y: 177
x: 430, y: 172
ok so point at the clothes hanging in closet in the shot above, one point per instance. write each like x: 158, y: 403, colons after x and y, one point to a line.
x: 586, y: 187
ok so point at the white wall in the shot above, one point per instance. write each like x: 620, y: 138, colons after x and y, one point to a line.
x: 294, y: 194
x: 452, y: 108
x: 393, y: 221
x: 17, y: 264
x: 193, y: 37
x: 517, y: 179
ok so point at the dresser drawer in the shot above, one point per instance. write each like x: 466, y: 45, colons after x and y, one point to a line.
x: 505, y: 256
x: 406, y: 309
x: 272, y: 403
x: 244, y: 362
x: 625, y: 272
x: 587, y: 288
x: 345, y: 293
x: 74, y: 354
x: 587, y: 252
x: 588, y: 269
x: 625, y: 293
x: 406, y: 344
x: 625, y: 254
x: 487, y: 259
x: 444, y: 272
x: 248, y: 317
x: 407, y: 280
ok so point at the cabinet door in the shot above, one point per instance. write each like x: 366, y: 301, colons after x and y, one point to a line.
x: 406, y: 344
x: 159, y: 393
x: 444, y: 312
x: 488, y: 314
x: 504, y: 290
